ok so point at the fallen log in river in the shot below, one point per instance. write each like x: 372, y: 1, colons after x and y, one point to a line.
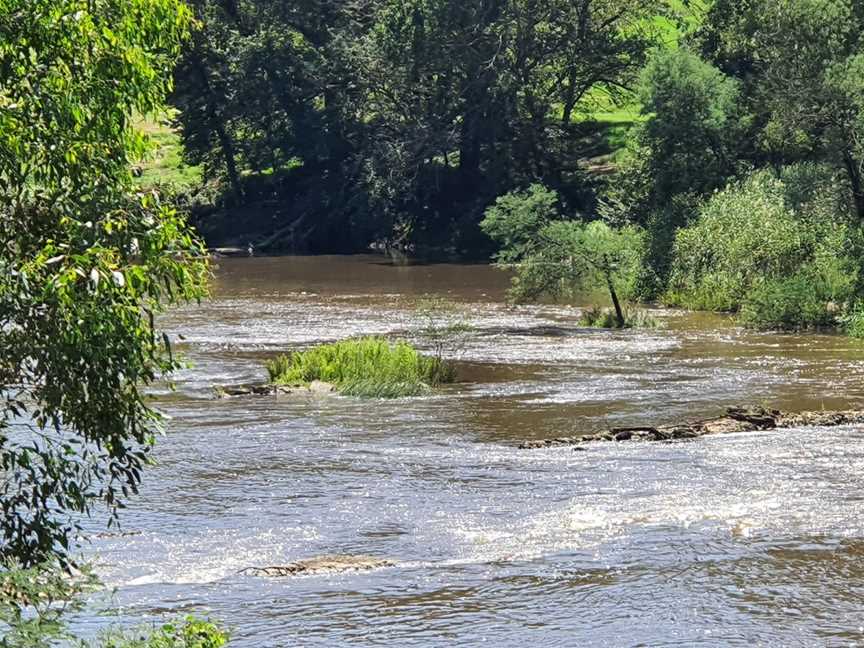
x: 736, y: 419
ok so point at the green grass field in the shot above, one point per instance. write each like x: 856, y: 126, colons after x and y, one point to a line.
x: 164, y: 164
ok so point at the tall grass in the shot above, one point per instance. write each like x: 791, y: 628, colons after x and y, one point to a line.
x: 370, y: 367
x: 596, y: 317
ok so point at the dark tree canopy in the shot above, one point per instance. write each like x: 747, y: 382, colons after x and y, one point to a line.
x: 403, y: 120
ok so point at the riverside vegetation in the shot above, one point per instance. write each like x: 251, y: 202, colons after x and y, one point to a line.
x: 647, y: 128
x: 369, y: 367
x: 86, y: 263
x: 703, y: 154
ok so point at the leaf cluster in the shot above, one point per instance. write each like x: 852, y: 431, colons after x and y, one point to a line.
x: 86, y: 263
x: 557, y: 257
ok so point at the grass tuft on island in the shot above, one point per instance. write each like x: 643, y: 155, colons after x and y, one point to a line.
x: 596, y: 317
x: 370, y: 367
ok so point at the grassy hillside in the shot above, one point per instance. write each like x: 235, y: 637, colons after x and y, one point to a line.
x: 164, y: 163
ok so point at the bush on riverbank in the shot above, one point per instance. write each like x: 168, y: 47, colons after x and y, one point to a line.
x: 186, y: 633
x: 369, y: 367
x: 771, y: 249
x: 853, y: 321
x: 788, y: 303
x: 596, y: 317
x: 36, y: 603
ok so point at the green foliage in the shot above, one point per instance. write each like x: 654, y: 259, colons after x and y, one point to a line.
x: 596, y: 317
x: 769, y: 250
x: 85, y: 262
x: 35, y: 601
x: 800, y: 61
x: 685, y: 147
x: 558, y: 258
x: 189, y: 632
x: 687, y: 141
x: 853, y: 321
x: 693, y: 126
x: 368, y: 367
x: 744, y: 233
x: 516, y: 218
x: 444, y: 327
x: 789, y: 303
x: 400, y: 119
x: 780, y: 87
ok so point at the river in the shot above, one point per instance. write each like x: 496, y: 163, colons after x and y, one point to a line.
x: 739, y: 540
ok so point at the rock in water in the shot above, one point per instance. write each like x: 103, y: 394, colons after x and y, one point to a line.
x: 319, y: 387
x: 736, y: 420
x: 268, y: 389
x: 322, y: 565
x: 244, y: 390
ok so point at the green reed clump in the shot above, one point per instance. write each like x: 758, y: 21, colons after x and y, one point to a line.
x: 596, y: 317
x: 370, y: 367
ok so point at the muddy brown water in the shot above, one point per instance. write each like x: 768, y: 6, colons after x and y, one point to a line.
x: 741, y: 540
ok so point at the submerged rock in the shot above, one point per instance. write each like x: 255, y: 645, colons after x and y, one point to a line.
x: 320, y: 387
x: 117, y: 534
x: 322, y: 565
x: 244, y: 390
x: 736, y: 419
x: 267, y: 389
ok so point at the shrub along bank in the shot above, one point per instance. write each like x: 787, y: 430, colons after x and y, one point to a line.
x: 770, y: 249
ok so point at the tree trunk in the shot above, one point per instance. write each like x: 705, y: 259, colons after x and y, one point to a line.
x: 469, y: 150
x: 233, y: 10
x: 216, y: 120
x: 230, y: 162
x: 619, y: 312
x: 569, y: 102
x: 853, y: 170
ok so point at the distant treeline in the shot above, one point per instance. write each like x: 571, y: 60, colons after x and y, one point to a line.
x: 334, y: 123
x: 726, y: 136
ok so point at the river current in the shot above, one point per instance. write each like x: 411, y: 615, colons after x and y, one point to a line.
x: 741, y: 540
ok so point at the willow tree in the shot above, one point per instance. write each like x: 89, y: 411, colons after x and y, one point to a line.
x: 556, y: 257
x: 85, y: 262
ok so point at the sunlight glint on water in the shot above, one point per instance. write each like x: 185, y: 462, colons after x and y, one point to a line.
x: 739, y: 540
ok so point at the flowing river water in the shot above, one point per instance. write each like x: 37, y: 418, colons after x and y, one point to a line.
x: 739, y: 540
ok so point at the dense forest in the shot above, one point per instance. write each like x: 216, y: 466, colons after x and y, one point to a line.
x: 728, y: 136
x: 402, y: 121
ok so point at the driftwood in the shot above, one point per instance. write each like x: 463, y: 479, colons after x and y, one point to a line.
x: 736, y: 419
x: 231, y: 252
